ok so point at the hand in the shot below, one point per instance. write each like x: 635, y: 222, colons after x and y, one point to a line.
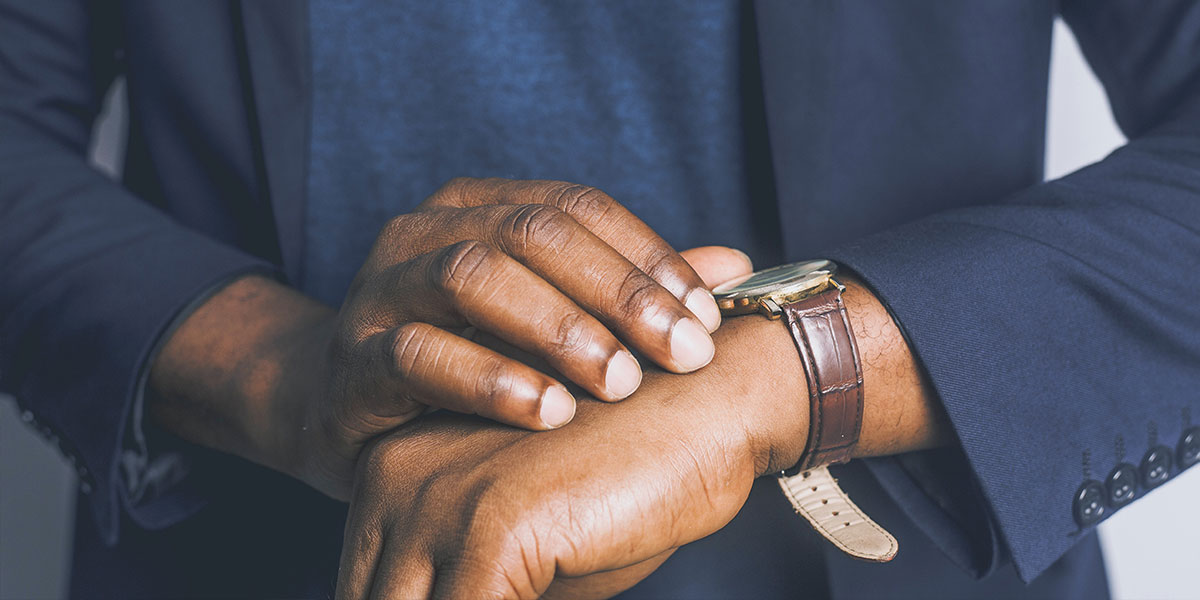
x: 560, y: 271
x: 457, y: 508
x: 451, y: 507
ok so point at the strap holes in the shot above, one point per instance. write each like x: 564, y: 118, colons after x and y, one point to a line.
x: 806, y: 473
x: 846, y: 524
x: 814, y: 488
x: 824, y: 502
x: 835, y: 513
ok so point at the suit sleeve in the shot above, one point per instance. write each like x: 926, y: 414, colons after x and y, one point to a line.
x: 90, y: 276
x: 1061, y: 327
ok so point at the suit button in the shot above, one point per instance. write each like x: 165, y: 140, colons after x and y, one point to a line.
x: 1156, y: 466
x: 1121, y: 485
x: 1089, y: 503
x: 1188, y: 451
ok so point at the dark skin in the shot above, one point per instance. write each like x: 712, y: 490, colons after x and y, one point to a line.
x: 461, y: 507
x: 558, y: 270
x: 452, y: 507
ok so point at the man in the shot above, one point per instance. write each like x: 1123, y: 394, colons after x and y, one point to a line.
x: 1051, y: 329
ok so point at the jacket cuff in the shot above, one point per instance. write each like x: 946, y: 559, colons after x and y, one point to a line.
x: 85, y: 378
x: 918, y: 272
x: 1000, y: 323
x: 153, y: 464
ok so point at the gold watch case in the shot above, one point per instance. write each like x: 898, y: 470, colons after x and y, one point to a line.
x: 764, y: 291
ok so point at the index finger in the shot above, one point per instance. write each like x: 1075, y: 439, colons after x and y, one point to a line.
x: 605, y: 218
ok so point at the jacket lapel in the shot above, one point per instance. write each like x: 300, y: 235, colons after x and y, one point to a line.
x: 794, y: 71
x: 793, y: 50
x: 276, y: 42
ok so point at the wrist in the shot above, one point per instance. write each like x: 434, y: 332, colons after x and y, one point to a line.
x: 221, y: 378
x: 900, y: 411
x: 294, y: 375
x: 771, y: 394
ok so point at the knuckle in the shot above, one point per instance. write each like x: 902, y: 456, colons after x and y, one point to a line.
x: 494, y: 384
x: 492, y: 513
x: 499, y: 551
x: 401, y: 238
x: 661, y: 263
x: 460, y: 266
x: 484, y: 578
x: 583, y: 201
x: 397, y: 227
x: 571, y: 337
x: 457, y: 191
x: 409, y: 343
x: 458, y: 183
x: 378, y: 461
x: 638, y: 294
x: 454, y: 188
x: 365, y: 540
x: 533, y: 227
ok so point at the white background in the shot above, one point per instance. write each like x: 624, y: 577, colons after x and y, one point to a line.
x: 1152, y: 547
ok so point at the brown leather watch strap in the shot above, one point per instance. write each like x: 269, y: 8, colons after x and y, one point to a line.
x: 821, y: 330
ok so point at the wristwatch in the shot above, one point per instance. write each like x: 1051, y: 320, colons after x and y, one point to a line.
x: 807, y: 298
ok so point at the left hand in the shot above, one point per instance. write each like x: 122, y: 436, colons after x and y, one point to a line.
x: 452, y: 507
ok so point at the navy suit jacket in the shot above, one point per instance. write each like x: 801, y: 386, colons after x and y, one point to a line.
x: 1059, y: 322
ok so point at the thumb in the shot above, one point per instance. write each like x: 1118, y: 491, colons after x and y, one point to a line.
x: 717, y: 264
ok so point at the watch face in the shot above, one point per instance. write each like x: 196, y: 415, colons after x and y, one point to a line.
x: 775, y: 279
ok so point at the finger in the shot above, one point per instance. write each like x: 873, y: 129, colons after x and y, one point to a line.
x: 607, y: 583
x: 580, y: 265
x: 427, y: 365
x: 718, y: 264
x: 601, y: 280
x: 496, y: 294
x: 606, y: 218
x: 360, y: 554
x: 402, y: 575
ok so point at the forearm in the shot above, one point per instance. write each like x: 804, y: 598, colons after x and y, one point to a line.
x: 224, y: 376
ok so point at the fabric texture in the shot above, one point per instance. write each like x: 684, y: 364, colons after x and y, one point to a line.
x: 905, y: 141
x: 91, y: 273
x: 1046, y: 321
x: 642, y: 100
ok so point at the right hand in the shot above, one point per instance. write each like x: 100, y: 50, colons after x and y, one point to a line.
x: 560, y: 271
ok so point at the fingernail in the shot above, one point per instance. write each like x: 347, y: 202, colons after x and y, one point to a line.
x: 558, y: 407
x: 622, y: 376
x: 701, y: 303
x: 749, y: 263
x: 691, y: 346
